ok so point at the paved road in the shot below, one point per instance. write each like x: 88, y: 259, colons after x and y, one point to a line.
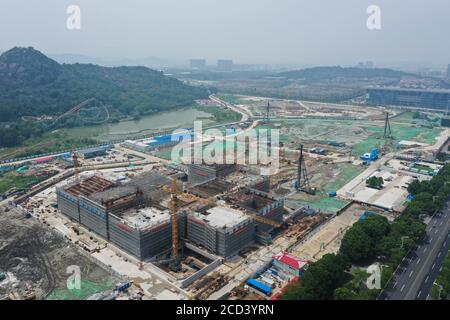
x: 416, y: 274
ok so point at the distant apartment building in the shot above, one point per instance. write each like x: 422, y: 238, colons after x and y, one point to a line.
x: 197, y: 63
x: 448, y: 73
x: 419, y: 98
x: 225, y: 65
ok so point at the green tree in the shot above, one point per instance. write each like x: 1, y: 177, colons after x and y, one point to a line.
x: 344, y: 293
x: 320, y: 280
x: 360, y: 242
x: 357, y: 246
x: 375, y: 182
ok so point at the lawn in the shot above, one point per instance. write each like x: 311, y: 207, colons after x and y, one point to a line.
x: 12, y: 179
x: 221, y: 115
x: 345, y: 174
x: 400, y: 132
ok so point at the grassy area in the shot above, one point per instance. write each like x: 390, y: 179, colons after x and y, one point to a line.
x: 408, y: 117
x: 423, y: 168
x: 284, y: 138
x: 87, y: 289
x: 324, y: 203
x: 220, y: 115
x: 363, y: 135
x: 400, y: 132
x: 346, y: 173
x: 233, y: 99
x: 77, y: 137
x: 58, y: 140
x: 12, y: 179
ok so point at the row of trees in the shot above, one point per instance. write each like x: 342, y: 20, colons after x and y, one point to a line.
x: 321, y: 279
x: 376, y: 238
x: 441, y: 289
x: 429, y: 195
x: 370, y: 240
x: 15, y: 134
x: 367, y: 241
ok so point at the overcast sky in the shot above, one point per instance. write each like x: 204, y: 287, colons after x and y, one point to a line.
x: 320, y: 32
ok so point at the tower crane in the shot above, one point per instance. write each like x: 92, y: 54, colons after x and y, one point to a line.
x: 76, y: 165
x: 176, y: 260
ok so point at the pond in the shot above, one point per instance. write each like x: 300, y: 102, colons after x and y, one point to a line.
x: 163, y: 120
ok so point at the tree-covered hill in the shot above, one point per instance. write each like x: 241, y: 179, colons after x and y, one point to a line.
x: 31, y: 84
x: 318, y: 74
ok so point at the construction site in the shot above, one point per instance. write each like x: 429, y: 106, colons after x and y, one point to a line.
x: 211, y: 231
x: 36, y: 261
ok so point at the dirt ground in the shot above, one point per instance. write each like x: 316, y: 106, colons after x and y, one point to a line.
x: 35, y: 260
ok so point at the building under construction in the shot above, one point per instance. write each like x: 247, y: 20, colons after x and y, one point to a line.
x: 128, y: 215
x: 259, y: 204
x: 199, y: 173
x: 136, y: 217
x: 221, y: 230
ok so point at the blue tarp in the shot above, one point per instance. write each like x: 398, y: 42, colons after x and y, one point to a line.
x: 372, y: 156
x: 258, y: 285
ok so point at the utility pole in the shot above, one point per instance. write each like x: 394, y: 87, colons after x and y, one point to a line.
x: 387, y: 127
x: 302, y: 174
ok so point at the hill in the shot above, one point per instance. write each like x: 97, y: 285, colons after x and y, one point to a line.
x: 319, y: 74
x: 31, y: 84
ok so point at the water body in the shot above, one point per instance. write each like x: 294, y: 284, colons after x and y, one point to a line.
x: 181, y: 118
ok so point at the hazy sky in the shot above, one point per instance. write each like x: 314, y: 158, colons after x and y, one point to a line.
x: 247, y: 31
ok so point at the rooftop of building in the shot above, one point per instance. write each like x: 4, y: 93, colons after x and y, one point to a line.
x: 150, y: 180
x: 102, y: 190
x: 144, y: 217
x: 176, y: 136
x: 291, y: 260
x: 113, y: 193
x: 89, y: 186
x: 94, y: 149
x: 223, y: 217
